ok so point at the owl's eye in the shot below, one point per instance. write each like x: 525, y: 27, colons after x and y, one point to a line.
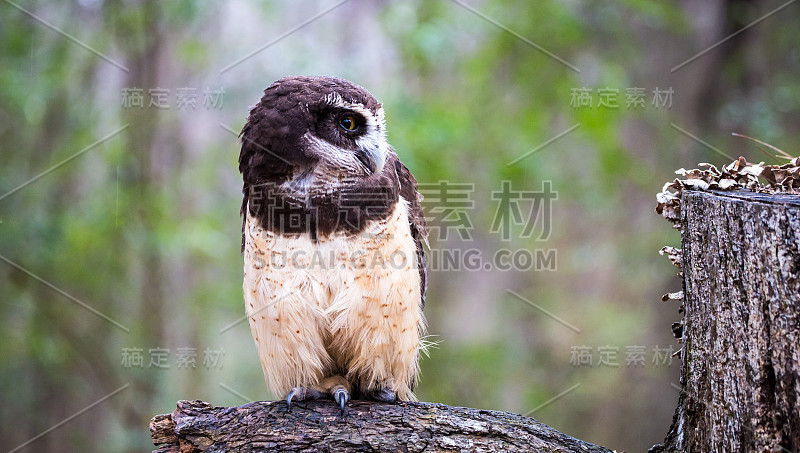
x: 348, y: 123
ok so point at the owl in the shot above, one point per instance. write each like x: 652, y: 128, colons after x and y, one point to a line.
x: 333, y: 240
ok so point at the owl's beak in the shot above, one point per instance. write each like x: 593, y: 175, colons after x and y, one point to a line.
x: 373, y: 158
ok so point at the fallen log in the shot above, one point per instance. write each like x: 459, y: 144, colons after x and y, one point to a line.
x: 196, y: 426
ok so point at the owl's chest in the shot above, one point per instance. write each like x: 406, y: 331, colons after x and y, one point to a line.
x: 324, y: 271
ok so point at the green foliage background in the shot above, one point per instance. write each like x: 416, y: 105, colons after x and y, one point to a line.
x: 144, y: 227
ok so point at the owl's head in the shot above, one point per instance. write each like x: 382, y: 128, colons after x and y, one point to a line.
x: 309, y: 132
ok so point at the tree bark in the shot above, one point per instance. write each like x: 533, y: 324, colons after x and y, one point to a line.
x: 741, y: 329
x: 196, y: 426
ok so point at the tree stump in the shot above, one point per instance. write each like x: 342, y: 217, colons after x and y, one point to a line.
x: 741, y: 330
x: 196, y: 426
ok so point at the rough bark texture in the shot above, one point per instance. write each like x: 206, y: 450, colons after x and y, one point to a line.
x: 741, y: 333
x: 196, y: 426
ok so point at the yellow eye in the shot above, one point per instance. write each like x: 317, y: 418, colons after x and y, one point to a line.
x: 348, y: 123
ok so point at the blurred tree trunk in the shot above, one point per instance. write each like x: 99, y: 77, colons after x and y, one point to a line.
x: 741, y: 330
x: 142, y: 41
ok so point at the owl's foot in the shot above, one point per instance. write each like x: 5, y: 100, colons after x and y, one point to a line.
x: 302, y: 394
x: 336, y: 387
x: 383, y: 391
x: 385, y: 394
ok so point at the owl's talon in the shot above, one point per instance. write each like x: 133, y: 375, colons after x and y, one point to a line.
x: 302, y: 394
x: 289, y: 397
x: 341, y: 396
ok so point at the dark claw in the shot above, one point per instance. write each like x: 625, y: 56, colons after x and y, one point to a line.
x: 289, y: 398
x: 341, y: 396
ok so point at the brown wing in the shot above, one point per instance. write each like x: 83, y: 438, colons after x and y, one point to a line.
x: 419, y: 228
